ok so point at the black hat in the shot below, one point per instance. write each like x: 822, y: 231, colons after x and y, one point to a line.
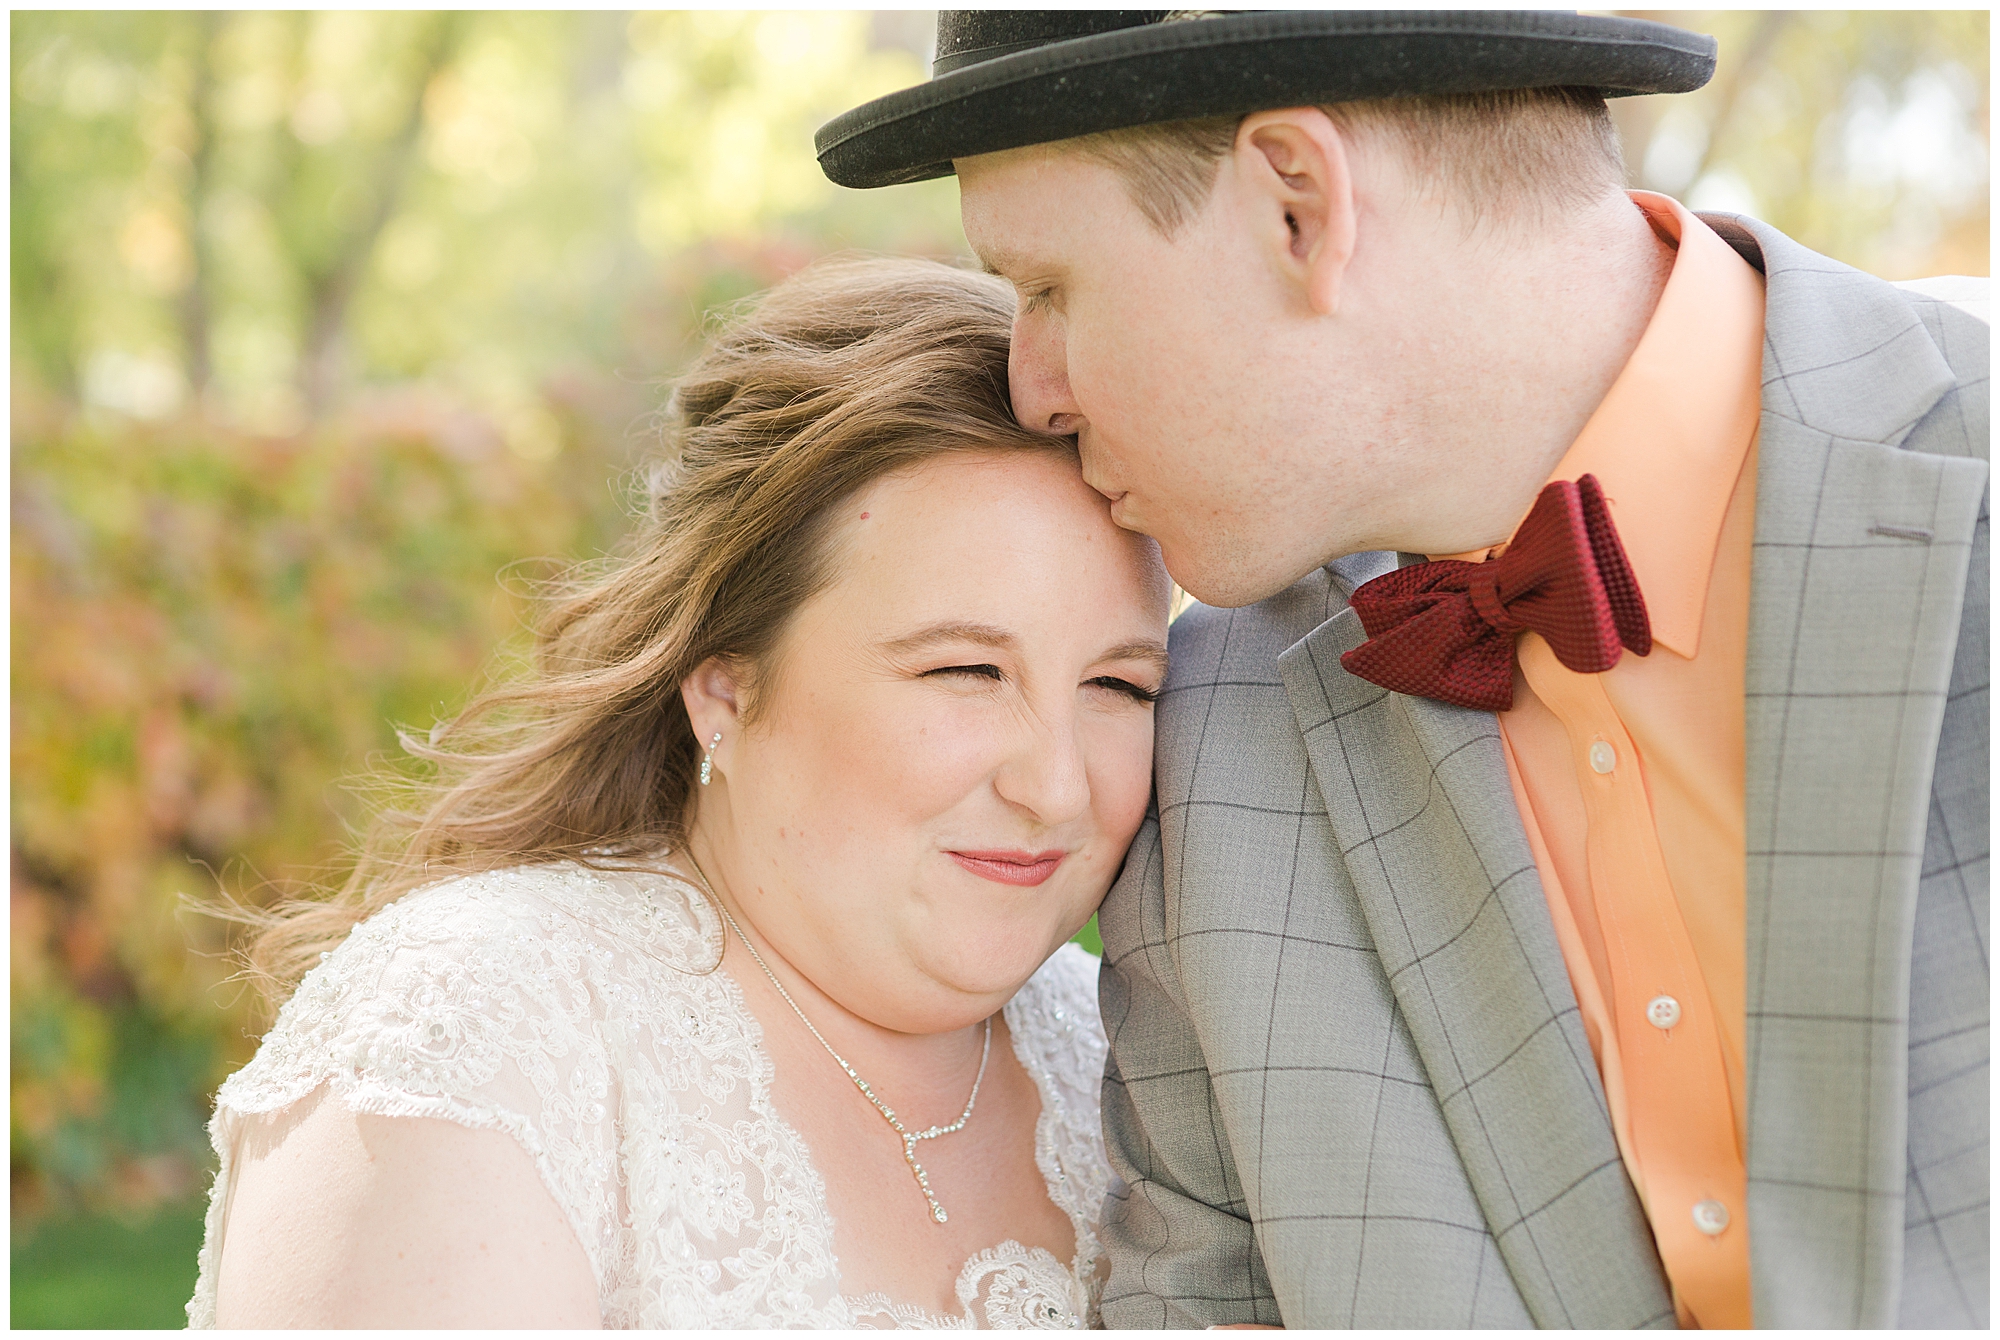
x: 1007, y: 78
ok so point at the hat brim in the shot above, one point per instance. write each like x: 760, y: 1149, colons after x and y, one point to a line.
x: 1233, y: 64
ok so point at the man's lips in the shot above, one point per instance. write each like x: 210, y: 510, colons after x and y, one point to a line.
x: 1010, y: 867
x: 1118, y: 498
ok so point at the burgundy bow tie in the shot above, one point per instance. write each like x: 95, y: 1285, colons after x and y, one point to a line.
x: 1445, y: 629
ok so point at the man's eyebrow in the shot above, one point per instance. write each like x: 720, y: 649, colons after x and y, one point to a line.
x: 998, y: 260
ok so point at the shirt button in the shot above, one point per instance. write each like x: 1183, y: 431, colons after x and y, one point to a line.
x: 1603, y: 758
x: 1664, y: 1012
x: 1711, y: 1216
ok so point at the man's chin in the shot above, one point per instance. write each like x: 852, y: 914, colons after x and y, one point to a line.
x: 1223, y: 584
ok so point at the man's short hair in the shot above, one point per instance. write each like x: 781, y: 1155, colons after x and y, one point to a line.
x: 1516, y: 153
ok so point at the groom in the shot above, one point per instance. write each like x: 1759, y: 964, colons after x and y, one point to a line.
x: 1567, y: 899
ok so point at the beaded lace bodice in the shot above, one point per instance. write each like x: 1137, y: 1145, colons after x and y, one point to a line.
x: 573, y: 1008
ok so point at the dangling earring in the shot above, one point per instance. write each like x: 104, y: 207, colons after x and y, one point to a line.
x: 708, y: 759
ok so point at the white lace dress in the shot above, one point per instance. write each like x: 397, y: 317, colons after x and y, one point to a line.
x: 572, y: 1008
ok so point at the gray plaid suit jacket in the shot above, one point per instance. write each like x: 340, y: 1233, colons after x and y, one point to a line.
x: 1348, y: 1082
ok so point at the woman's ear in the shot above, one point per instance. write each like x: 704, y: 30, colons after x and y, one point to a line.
x: 713, y: 695
x: 1294, y: 166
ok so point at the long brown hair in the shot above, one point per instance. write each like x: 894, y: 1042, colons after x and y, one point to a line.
x: 845, y: 372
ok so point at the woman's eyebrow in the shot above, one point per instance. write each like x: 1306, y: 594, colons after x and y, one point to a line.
x: 1152, y: 652
x: 986, y: 635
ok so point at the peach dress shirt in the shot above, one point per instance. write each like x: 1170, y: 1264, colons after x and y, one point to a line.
x: 1630, y: 783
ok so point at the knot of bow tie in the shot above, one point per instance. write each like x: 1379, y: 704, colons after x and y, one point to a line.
x: 1445, y: 629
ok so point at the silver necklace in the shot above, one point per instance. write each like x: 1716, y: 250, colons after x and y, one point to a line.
x: 909, y: 1137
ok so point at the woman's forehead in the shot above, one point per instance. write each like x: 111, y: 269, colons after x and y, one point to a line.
x: 979, y: 531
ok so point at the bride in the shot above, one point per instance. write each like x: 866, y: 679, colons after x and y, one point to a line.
x: 720, y: 976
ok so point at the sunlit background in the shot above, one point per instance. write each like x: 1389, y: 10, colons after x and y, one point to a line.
x: 332, y: 332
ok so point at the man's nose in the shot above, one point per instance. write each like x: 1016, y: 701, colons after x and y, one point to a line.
x: 1038, y: 376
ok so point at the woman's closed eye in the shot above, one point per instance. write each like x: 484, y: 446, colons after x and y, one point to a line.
x: 1125, y: 686
x: 991, y: 672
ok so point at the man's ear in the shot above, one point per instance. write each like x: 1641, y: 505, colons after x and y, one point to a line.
x: 713, y: 695
x: 1294, y: 166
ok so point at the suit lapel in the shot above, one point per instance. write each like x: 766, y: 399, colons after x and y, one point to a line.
x: 1858, y: 574
x: 1420, y: 803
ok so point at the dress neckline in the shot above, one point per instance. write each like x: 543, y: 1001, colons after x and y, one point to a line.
x: 579, y: 1010
x: 656, y: 932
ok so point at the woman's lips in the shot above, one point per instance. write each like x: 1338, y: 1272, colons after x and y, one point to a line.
x: 1010, y: 867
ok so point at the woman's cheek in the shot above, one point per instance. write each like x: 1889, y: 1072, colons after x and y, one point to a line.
x: 944, y: 753
x: 1124, y: 783
x: 872, y: 738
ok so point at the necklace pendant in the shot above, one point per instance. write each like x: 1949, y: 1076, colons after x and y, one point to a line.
x: 908, y: 1137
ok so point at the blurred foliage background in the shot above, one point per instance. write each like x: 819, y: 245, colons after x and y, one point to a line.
x: 333, y: 331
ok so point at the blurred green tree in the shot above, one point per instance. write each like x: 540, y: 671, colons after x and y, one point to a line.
x: 1862, y: 133
x: 322, y: 320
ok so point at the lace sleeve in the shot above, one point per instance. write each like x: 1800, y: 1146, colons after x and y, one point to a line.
x: 466, y: 1001
x: 1062, y: 1041
x: 1059, y: 1037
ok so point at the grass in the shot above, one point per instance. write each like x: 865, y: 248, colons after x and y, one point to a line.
x: 97, y: 1272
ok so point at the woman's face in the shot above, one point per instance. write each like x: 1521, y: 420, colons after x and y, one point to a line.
x: 954, y: 745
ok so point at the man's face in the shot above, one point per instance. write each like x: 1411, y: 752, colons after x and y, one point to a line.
x: 1166, y: 357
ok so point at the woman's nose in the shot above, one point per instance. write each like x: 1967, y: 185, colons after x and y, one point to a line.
x: 1038, y: 376
x: 1046, y: 775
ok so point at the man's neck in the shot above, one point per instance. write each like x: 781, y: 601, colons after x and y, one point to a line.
x: 1541, y: 323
